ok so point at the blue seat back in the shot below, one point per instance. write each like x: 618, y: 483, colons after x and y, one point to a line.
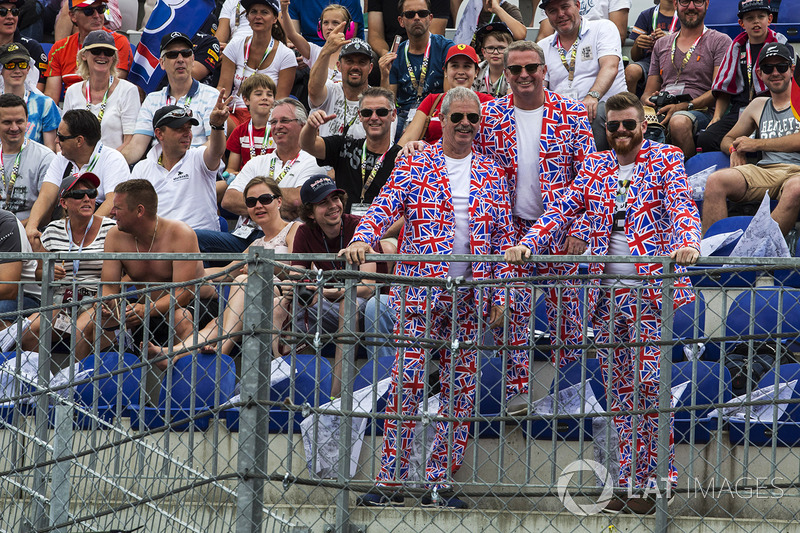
x: 709, y: 383
x: 571, y: 374
x: 708, y: 159
x: 727, y: 225
x: 768, y: 309
x: 212, y: 373
x: 788, y: 372
x: 107, y: 387
x: 312, y: 374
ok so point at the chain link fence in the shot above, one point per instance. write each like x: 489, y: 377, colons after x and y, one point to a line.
x: 262, y: 405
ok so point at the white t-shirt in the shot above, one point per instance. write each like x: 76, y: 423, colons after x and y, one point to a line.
x: 235, y: 51
x: 618, y: 242
x: 313, y: 55
x: 228, y: 11
x: 187, y: 192
x: 108, y: 164
x: 119, y: 117
x: 459, y: 173
x: 593, y: 9
x: 598, y: 38
x: 528, y: 201
x: 346, y: 112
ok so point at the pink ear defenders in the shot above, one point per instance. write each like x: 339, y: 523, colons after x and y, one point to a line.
x: 349, y: 30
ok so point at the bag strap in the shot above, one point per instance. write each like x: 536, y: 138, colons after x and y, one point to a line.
x: 430, y: 115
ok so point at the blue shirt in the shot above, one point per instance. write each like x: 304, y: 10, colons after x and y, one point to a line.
x: 434, y: 80
x: 43, y: 115
x: 307, y: 12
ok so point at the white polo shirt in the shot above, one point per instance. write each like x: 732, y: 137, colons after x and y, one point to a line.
x: 108, y: 164
x: 187, y: 192
x: 598, y: 38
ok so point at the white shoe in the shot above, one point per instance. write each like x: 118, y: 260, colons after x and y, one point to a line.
x: 518, y: 405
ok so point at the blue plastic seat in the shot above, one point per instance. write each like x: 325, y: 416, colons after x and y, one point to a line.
x: 724, y: 279
x: 371, y: 373
x: 489, y: 394
x: 767, y: 308
x: 788, y: 278
x: 708, y: 383
x: 724, y: 19
x: 107, y: 390
x: 788, y: 23
x: 706, y: 160
x: 688, y: 323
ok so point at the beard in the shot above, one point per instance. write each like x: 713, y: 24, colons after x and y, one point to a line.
x: 694, y: 22
x: 626, y: 148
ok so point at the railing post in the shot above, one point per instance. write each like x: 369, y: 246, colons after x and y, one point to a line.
x: 60, y: 483
x: 253, y: 429
x: 665, y: 397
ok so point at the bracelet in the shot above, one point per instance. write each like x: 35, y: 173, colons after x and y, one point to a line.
x: 731, y: 149
x: 218, y: 128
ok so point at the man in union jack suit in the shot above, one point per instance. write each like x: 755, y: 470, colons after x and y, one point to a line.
x: 638, y: 203
x: 541, y: 140
x: 453, y: 201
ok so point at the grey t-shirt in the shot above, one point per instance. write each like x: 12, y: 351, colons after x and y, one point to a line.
x: 774, y: 124
x: 34, y: 162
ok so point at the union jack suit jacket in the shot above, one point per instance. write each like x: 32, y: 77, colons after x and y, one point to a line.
x: 419, y: 190
x: 660, y: 214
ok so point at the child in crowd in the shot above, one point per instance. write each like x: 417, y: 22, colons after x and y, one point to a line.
x: 736, y: 83
x: 493, y: 39
x: 250, y: 139
x: 652, y: 24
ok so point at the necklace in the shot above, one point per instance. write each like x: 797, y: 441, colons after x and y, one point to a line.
x: 136, y: 240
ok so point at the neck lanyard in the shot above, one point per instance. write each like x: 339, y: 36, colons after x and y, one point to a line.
x: 286, y: 168
x: 333, y: 76
x: 375, y: 168
x: 266, y: 52
x: 76, y: 263
x: 103, y: 103
x: 418, y: 86
x: 751, y: 89
x: 92, y: 160
x: 573, y: 50
x: 341, y: 237
x: 238, y: 14
x: 264, y: 141
x: 192, y: 91
x: 346, y: 125
x: 493, y: 89
x: 672, y: 24
x: 8, y: 186
x: 688, y: 54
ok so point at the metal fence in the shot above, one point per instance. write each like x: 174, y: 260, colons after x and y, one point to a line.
x: 210, y: 431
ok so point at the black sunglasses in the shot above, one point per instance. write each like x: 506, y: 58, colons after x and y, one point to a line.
x: 4, y: 11
x: 423, y: 13
x: 380, y: 111
x: 264, y: 199
x: 108, y: 52
x: 173, y: 54
x: 78, y: 194
x: 780, y: 67
x: 629, y: 124
x: 62, y: 137
x: 89, y: 11
x: 474, y: 118
x: 530, y: 68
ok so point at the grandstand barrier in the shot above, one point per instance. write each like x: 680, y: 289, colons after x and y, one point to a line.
x: 129, y: 438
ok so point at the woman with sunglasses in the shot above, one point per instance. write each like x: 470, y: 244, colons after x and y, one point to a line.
x: 264, y: 52
x: 460, y: 69
x: 114, y: 101
x: 263, y: 200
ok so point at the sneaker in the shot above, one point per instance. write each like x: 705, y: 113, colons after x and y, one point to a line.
x: 443, y: 501
x: 378, y: 498
x: 517, y: 405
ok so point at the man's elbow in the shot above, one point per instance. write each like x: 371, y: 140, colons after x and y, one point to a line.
x: 231, y: 200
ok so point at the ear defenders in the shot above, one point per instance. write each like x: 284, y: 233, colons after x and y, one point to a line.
x: 349, y: 29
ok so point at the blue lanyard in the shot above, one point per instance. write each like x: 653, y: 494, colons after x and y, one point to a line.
x: 76, y: 263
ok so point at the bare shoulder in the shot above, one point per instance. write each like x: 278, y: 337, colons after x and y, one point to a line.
x: 117, y: 241
x: 177, y: 236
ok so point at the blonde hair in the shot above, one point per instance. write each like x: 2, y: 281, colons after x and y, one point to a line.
x: 82, y: 67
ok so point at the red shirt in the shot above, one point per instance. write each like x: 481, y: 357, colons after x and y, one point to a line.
x: 62, y: 58
x: 434, y: 132
x: 239, y: 142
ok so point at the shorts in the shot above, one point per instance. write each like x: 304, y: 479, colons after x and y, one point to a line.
x: 760, y: 179
x: 700, y: 119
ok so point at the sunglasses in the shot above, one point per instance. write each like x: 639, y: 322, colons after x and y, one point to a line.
x: 78, y: 194
x: 530, y: 68
x: 264, y: 199
x: 176, y: 113
x: 629, y: 124
x: 474, y: 118
x: 173, y: 54
x: 5, y: 11
x: 108, y: 52
x: 780, y: 67
x: 24, y: 64
x: 381, y: 112
x: 89, y: 11
x: 423, y: 13
x: 62, y: 137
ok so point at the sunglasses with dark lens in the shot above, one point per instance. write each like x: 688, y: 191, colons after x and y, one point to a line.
x: 474, y: 118
x: 108, y: 52
x: 11, y: 65
x: 5, y: 11
x: 89, y: 11
x: 780, y: 67
x: 173, y: 54
x: 629, y: 124
x: 175, y: 113
x: 78, y: 194
x: 530, y: 68
x: 380, y: 111
x: 62, y: 137
x: 264, y: 199
x: 423, y: 13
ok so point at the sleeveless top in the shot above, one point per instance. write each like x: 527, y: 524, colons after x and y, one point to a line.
x: 775, y: 124
x: 277, y: 241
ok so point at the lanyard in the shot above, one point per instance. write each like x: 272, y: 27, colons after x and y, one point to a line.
x: 749, y: 71
x: 238, y: 14
x: 266, y: 52
x: 93, y: 161
x: 264, y: 141
x: 341, y: 238
x: 286, y: 168
x: 346, y: 125
x: 375, y: 168
x: 188, y: 101
x: 688, y: 54
x: 418, y: 86
x: 494, y: 89
x: 573, y: 54
x: 672, y: 24
x: 8, y: 186
x: 103, y: 103
x: 76, y: 263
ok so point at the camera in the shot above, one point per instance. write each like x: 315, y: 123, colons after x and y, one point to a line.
x: 304, y: 295
x: 663, y: 98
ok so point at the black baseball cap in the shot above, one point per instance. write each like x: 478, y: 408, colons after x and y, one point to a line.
x: 356, y: 46
x: 776, y: 50
x: 68, y: 183
x: 171, y: 37
x: 173, y: 116
x: 317, y: 188
x: 12, y: 52
x: 492, y: 27
x: 274, y: 4
x: 746, y: 6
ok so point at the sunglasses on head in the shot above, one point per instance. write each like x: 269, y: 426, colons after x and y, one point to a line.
x: 78, y: 194
x: 380, y: 111
x: 173, y: 54
x: 62, y: 137
x: 423, y: 13
x: 474, y: 118
x: 264, y: 199
x: 89, y: 11
x: 530, y: 68
x: 5, y: 11
x: 780, y: 67
x: 175, y: 113
x: 108, y: 52
x: 11, y: 65
x: 629, y: 124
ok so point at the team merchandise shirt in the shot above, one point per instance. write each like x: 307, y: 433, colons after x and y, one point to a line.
x: 21, y: 189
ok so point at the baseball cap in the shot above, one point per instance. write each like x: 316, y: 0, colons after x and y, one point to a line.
x: 69, y: 182
x: 82, y: 3
x: 13, y: 51
x: 356, y: 46
x: 462, y: 50
x: 274, y: 4
x: 746, y: 6
x: 171, y: 37
x: 776, y: 50
x: 173, y: 116
x: 99, y: 39
x: 317, y: 188
x: 492, y: 27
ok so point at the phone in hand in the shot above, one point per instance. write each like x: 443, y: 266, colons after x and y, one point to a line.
x: 396, y: 44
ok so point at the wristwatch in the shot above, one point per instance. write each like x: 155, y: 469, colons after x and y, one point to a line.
x: 594, y: 94
x: 690, y: 106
